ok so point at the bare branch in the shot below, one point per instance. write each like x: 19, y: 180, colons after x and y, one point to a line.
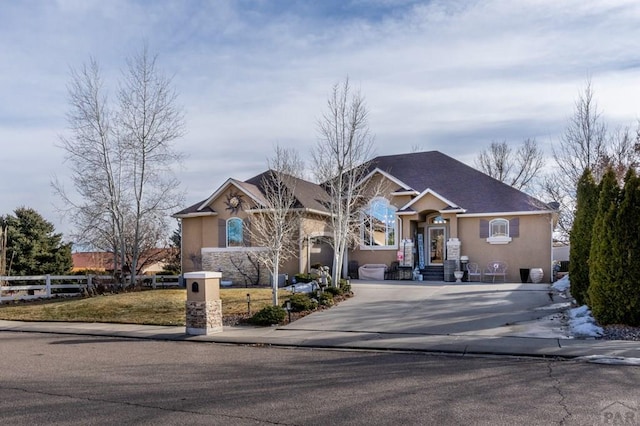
x: 341, y: 159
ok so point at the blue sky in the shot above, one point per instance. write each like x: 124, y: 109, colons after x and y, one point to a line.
x: 440, y: 75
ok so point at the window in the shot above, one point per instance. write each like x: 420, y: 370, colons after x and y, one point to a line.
x: 234, y: 232
x: 500, y: 230
x: 379, y: 224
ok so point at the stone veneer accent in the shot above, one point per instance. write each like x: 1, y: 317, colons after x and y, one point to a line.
x: 204, y: 317
x: 221, y: 261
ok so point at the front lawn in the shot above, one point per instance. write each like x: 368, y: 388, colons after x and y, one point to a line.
x: 156, y: 307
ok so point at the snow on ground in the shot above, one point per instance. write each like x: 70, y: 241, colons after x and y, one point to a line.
x: 581, y: 322
x: 562, y: 284
x: 302, y: 287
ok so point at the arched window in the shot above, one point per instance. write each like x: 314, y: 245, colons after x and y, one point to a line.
x: 499, y: 231
x: 379, y: 224
x: 499, y: 228
x: 234, y: 232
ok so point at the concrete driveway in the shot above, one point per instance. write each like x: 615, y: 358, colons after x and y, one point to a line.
x: 408, y: 307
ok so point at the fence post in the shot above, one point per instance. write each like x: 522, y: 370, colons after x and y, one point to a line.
x: 89, y: 284
x: 153, y: 281
x: 48, y: 283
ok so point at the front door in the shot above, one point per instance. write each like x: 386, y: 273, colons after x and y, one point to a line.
x: 436, y: 244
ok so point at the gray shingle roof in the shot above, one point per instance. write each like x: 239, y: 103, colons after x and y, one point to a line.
x: 308, y: 194
x: 466, y: 187
x: 469, y: 188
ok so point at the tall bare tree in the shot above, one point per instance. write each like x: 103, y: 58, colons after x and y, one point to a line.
x: 341, y: 158
x: 518, y: 169
x: 121, y: 158
x: 275, y: 228
x: 3, y: 250
x: 96, y: 161
x: 586, y: 143
x: 149, y: 121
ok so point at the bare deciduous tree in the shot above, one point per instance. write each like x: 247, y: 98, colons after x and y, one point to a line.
x: 96, y: 163
x: 3, y: 250
x: 586, y: 144
x: 276, y: 226
x: 341, y: 159
x: 121, y: 159
x: 517, y: 169
x: 149, y: 121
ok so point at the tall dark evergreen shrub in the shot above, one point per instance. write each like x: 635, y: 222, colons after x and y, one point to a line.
x: 587, y: 195
x: 625, y: 291
x: 602, y: 264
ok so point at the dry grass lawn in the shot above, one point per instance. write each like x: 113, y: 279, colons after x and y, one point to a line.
x: 157, y: 307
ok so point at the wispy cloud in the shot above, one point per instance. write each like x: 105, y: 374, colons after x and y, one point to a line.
x: 445, y: 75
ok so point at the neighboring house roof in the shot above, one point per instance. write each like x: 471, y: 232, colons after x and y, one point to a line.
x: 464, y: 186
x: 103, y: 261
x: 97, y: 261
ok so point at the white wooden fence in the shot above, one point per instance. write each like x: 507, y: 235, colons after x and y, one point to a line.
x: 44, y: 285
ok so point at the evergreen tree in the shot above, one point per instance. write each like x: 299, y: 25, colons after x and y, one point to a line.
x: 174, y: 265
x: 625, y: 291
x: 602, y: 261
x: 586, y: 209
x: 32, y: 246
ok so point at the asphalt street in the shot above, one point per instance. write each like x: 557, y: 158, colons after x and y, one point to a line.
x: 87, y: 380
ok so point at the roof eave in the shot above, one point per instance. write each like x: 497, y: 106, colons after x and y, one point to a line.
x: 197, y: 214
x: 512, y: 213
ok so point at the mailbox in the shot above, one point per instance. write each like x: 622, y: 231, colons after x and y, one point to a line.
x: 203, y: 306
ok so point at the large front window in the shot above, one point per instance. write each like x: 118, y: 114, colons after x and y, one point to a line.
x: 379, y: 224
x: 234, y: 232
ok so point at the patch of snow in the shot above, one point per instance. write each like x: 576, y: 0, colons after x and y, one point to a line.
x: 562, y: 284
x: 302, y: 287
x: 610, y: 360
x: 582, y: 324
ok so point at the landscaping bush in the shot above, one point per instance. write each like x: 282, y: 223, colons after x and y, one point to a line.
x: 345, y: 286
x: 334, y: 291
x: 269, y: 315
x: 325, y: 299
x: 305, y: 278
x: 301, y: 302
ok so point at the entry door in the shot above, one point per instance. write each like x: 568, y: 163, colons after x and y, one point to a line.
x: 436, y: 244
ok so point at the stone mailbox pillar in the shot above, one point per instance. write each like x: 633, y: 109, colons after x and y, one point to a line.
x: 204, y: 307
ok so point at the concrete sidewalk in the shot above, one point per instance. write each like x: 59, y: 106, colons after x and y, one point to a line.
x: 434, y: 317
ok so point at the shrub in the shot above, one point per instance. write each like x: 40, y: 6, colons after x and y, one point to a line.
x: 345, y: 286
x: 301, y: 302
x: 305, y: 278
x: 268, y: 315
x: 325, y: 299
x: 586, y: 209
x: 334, y: 291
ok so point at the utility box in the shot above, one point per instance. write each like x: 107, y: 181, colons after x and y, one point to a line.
x: 203, y: 306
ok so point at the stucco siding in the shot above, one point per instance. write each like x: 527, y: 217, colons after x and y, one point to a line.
x: 531, y: 249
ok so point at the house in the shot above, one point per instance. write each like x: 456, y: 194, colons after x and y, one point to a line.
x: 430, y: 211
x: 150, y: 262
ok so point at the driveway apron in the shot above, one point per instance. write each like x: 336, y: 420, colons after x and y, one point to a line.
x: 433, y: 308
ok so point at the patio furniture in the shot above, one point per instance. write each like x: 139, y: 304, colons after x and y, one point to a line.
x: 473, y: 272
x: 372, y: 271
x: 495, y: 269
